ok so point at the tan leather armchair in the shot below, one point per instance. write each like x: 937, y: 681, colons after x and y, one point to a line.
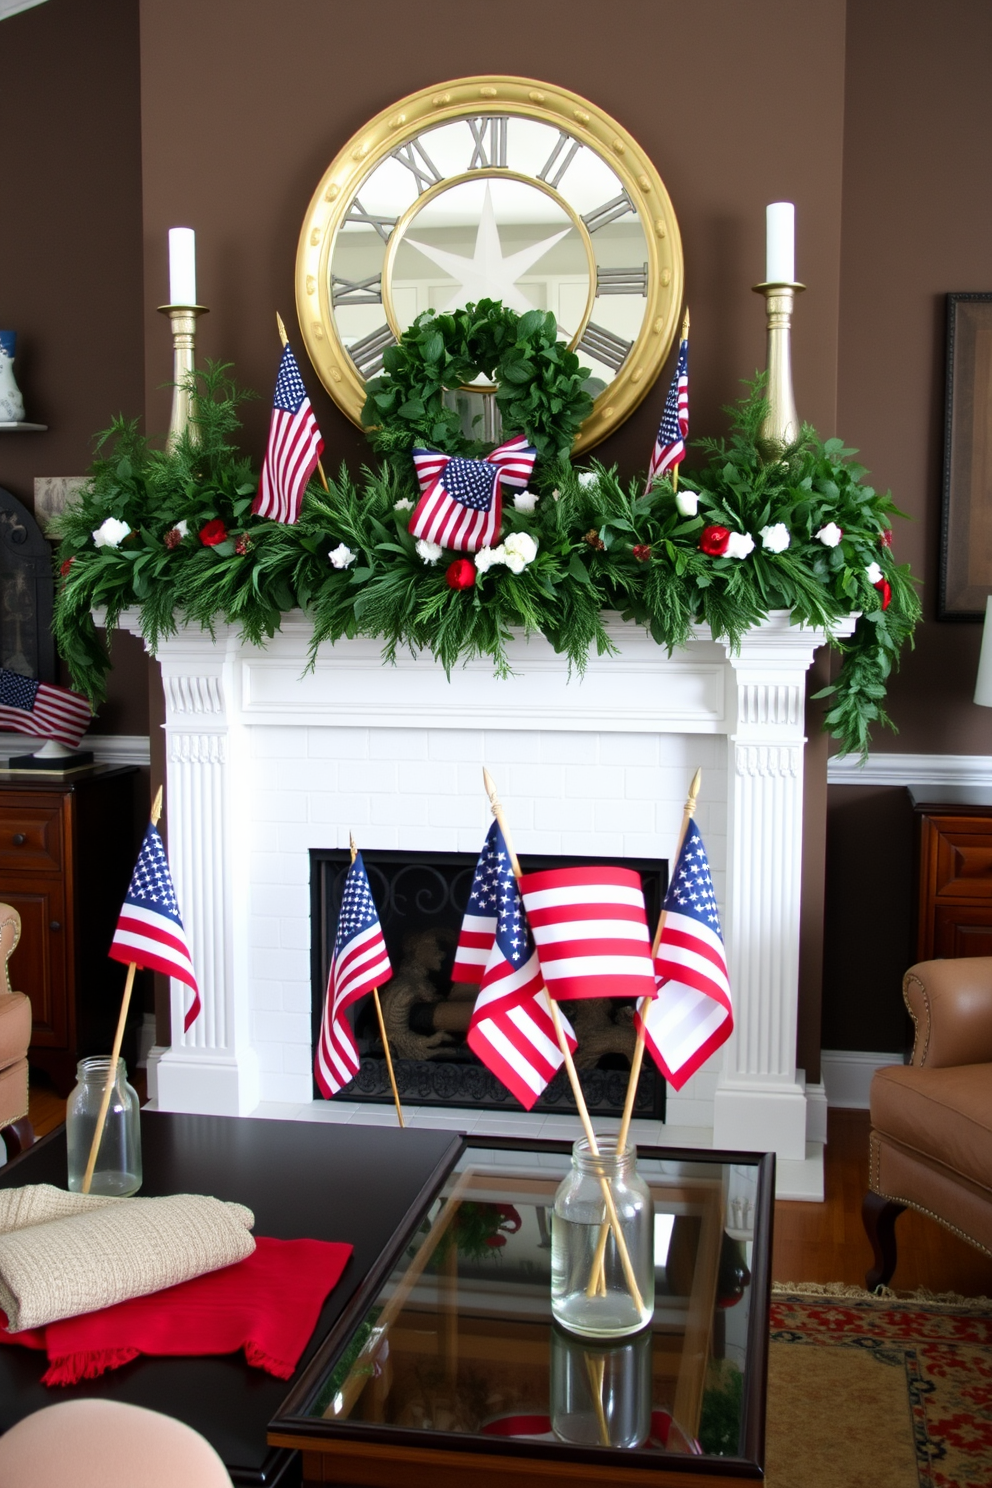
x: 931, y: 1137
x: 15, y: 1036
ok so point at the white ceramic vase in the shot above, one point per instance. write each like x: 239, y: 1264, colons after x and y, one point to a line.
x: 11, y: 401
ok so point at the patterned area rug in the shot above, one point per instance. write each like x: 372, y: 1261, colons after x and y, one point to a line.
x: 878, y: 1392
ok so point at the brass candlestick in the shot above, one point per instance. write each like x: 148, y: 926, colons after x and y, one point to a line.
x: 781, y: 427
x: 183, y: 319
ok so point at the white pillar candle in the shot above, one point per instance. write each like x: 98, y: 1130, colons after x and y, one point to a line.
x: 182, y: 266
x: 780, y: 243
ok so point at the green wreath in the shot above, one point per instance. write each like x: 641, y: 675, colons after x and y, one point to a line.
x: 540, y: 386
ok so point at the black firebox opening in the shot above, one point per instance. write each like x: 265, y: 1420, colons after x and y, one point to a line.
x: 421, y: 899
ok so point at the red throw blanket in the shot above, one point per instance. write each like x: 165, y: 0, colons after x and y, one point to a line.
x: 268, y: 1305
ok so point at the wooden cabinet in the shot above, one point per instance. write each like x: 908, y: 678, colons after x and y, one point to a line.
x: 67, y: 849
x: 955, y: 871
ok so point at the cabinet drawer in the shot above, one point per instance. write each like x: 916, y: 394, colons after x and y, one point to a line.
x: 964, y: 865
x: 30, y: 837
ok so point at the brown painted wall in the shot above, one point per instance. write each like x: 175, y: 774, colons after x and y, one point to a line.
x: 71, y: 273
x: 917, y: 223
x: 273, y: 91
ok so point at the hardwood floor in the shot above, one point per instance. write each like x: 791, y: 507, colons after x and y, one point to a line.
x: 813, y: 1242
x: 826, y: 1242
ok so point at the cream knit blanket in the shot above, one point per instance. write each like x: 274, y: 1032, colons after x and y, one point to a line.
x: 62, y: 1254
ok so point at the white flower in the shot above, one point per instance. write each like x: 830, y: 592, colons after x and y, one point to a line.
x: 486, y: 557
x: 341, y: 556
x: 687, y: 502
x: 183, y: 528
x: 556, y: 494
x: 830, y: 535
x: 111, y: 533
x: 520, y: 545
x: 588, y: 478
x: 525, y: 501
x: 428, y: 551
x: 776, y: 539
x: 739, y: 544
x: 404, y: 504
x: 874, y: 573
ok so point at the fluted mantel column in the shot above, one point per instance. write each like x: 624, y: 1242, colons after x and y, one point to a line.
x: 759, y: 1102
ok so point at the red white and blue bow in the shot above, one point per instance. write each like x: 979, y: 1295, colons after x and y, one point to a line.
x: 461, y: 507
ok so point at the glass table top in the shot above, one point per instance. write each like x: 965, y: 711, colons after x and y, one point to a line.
x: 459, y: 1342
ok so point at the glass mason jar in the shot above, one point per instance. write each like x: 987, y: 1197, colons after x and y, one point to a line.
x: 118, y: 1158
x: 601, y: 1393
x: 619, y: 1298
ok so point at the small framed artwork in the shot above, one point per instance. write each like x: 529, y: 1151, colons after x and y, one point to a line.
x: 966, y: 514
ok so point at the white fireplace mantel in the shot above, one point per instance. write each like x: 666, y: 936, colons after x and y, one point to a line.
x: 267, y: 759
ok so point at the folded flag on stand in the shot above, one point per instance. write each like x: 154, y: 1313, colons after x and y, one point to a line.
x: 359, y: 963
x: 150, y: 929
x: 692, y: 1014
x: 591, y: 930
x: 461, y: 507
x: 669, y: 446
x: 511, y: 1030
x: 47, y: 712
x: 295, y: 445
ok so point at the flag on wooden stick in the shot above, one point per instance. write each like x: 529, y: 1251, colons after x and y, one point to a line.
x: 359, y: 964
x: 692, y: 1014
x: 669, y: 446
x: 150, y: 929
x: 294, y: 448
x: 478, y: 931
x: 591, y: 930
x: 512, y: 1030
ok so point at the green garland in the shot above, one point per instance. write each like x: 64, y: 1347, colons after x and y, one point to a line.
x: 193, y: 553
x: 540, y: 387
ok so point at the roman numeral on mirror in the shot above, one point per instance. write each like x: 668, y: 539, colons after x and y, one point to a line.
x: 356, y: 291
x: 417, y: 160
x: 607, y: 348
x: 622, y: 281
x: 367, y: 353
x: 489, y: 140
x: 608, y: 212
x: 558, y: 161
x: 382, y: 225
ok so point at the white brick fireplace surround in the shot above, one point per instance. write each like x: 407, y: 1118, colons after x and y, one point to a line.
x: 267, y: 760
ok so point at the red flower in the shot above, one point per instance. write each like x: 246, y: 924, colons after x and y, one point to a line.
x: 885, y: 537
x: 495, y: 1242
x: 66, y: 567
x: 213, y: 533
x: 713, y: 541
x: 461, y: 574
x: 642, y: 552
x: 885, y: 590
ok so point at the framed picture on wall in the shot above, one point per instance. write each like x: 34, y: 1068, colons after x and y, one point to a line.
x: 966, y: 515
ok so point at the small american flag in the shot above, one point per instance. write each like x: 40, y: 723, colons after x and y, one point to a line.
x: 359, y: 963
x: 669, y: 447
x: 692, y: 1014
x: 47, y: 712
x: 591, y: 930
x: 478, y: 930
x: 150, y: 929
x: 294, y: 447
x: 511, y: 1029
x: 461, y: 507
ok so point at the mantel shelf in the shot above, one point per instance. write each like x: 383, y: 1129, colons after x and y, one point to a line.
x: 22, y: 428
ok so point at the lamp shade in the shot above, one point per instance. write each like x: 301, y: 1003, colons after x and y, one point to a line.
x: 983, y: 682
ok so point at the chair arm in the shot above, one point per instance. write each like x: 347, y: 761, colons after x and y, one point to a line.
x: 950, y: 1003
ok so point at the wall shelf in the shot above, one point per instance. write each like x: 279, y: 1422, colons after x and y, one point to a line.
x: 22, y: 428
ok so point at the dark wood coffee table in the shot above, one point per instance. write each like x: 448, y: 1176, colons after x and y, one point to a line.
x: 451, y: 1370
x: 363, y: 1184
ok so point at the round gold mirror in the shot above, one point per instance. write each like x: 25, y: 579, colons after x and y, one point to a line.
x: 499, y: 188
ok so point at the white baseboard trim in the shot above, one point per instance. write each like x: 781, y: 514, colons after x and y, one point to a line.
x: 910, y: 769
x: 108, y: 749
x: 846, y: 1075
